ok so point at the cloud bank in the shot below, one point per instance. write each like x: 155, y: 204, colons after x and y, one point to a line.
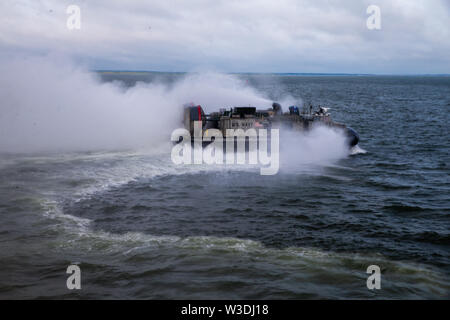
x: 235, y: 36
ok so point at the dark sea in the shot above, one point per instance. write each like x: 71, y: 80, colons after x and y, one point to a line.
x: 141, y: 227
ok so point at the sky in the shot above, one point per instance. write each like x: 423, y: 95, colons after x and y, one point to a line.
x: 305, y: 36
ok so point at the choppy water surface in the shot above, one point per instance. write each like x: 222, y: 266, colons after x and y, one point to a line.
x: 141, y: 227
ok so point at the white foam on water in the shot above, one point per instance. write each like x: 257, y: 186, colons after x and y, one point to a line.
x: 357, y: 150
x: 77, y: 234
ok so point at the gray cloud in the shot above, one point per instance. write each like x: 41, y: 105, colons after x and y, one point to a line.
x: 254, y: 35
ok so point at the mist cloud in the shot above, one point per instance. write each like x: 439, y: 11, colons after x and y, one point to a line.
x: 53, y: 104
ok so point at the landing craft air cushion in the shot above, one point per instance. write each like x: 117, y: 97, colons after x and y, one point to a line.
x: 250, y: 118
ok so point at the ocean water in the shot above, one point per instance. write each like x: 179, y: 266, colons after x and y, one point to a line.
x: 141, y: 227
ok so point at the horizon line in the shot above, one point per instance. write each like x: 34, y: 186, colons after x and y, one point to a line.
x: 277, y: 73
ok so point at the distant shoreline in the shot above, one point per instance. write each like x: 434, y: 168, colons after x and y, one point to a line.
x: 139, y: 72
